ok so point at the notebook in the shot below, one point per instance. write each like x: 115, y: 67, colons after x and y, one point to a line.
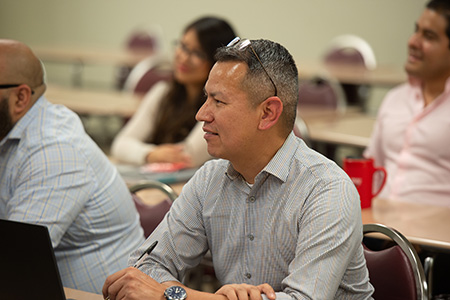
x: 28, y: 268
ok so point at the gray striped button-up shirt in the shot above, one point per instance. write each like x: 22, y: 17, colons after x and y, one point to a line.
x: 298, y: 228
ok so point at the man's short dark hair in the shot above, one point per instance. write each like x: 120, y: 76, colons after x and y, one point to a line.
x: 442, y: 7
x: 279, y: 63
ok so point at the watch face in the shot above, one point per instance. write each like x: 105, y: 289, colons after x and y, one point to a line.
x: 175, y: 293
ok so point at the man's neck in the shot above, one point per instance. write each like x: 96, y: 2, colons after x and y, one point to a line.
x: 250, y: 166
x: 431, y: 89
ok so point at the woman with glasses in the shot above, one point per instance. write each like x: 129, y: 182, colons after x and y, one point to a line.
x: 164, y: 128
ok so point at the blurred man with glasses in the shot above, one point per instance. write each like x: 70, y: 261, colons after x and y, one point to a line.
x: 53, y: 174
x: 280, y: 220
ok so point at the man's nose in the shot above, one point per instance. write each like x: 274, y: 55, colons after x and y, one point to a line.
x: 413, y: 40
x: 202, y: 114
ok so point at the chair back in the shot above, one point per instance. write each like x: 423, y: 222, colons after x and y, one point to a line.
x: 146, y: 74
x: 151, y: 215
x: 321, y: 93
x: 301, y: 130
x: 141, y: 40
x: 396, y: 272
x: 352, y: 50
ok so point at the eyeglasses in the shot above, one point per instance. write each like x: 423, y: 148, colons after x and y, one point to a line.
x: 242, y: 45
x: 8, y: 86
x: 195, y: 55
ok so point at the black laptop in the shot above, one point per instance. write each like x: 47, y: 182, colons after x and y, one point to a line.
x: 28, y: 268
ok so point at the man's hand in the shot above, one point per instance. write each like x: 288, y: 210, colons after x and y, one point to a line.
x: 132, y: 284
x: 246, y: 291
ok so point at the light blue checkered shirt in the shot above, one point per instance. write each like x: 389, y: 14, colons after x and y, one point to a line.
x: 297, y: 228
x: 53, y: 174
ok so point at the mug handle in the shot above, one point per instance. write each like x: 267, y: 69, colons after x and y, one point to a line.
x: 382, y: 170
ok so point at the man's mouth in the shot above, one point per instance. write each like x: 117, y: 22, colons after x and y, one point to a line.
x: 414, y: 56
x: 209, y: 132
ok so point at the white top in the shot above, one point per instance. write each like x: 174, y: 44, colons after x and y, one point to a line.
x: 130, y: 146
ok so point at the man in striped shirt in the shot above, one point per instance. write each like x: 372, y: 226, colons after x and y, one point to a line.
x: 280, y: 220
x: 53, y: 174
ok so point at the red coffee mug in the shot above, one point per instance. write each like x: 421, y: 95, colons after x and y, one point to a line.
x: 361, y: 171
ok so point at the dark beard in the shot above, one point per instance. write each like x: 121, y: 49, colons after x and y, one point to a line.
x: 6, y: 123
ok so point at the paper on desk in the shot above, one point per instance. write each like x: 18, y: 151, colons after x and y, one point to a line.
x: 162, y: 167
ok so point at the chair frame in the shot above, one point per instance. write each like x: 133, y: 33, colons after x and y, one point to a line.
x: 153, y: 184
x: 408, y: 249
x: 352, y: 41
x: 302, y: 128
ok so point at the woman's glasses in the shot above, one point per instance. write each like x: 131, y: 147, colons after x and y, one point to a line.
x: 196, y: 56
x: 242, y: 45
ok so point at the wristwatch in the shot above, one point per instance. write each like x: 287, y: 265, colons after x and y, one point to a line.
x: 175, y: 293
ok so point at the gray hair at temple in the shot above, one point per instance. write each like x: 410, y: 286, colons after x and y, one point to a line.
x: 281, y: 67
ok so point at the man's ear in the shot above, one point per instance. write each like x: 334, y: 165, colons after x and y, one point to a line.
x: 21, y: 101
x: 272, y: 108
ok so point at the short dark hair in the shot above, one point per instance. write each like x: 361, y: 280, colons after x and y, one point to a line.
x: 442, y: 7
x: 279, y: 63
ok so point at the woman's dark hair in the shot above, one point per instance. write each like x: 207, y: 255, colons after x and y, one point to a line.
x: 176, y: 116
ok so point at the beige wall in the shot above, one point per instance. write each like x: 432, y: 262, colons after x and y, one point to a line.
x: 304, y: 27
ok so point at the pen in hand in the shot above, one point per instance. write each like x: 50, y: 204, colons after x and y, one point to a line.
x: 146, y: 252
x: 137, y: 264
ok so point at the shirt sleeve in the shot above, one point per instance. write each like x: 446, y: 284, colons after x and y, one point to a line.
x: 52, y: 188
x: 130, y: 144
x: 330, y: 233
x: 280, y: 296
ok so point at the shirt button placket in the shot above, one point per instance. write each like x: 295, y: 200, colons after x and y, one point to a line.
x: 250, y: 236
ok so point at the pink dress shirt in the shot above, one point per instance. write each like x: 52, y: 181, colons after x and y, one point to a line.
x: 413, y: 143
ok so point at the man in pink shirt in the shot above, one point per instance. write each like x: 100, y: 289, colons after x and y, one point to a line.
x: 411, y: 138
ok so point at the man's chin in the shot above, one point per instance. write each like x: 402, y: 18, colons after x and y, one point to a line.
x: 214, y: 152
x: 412, y: 70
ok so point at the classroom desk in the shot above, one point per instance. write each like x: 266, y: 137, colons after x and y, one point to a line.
x: 93, y: 102
x: 89, y: 55
x: 424, y: 225
x: 382, y: 75
x: 133, y: 174
x: 72, y: 294
x: 351, y: 128
x: 78, y: 57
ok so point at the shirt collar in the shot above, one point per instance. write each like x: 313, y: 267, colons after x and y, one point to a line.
x: 18, y: 129
x: 278, y: 165
x: 416, y: 85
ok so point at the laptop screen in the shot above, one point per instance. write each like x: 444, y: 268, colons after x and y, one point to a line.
x: 28, y: 268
